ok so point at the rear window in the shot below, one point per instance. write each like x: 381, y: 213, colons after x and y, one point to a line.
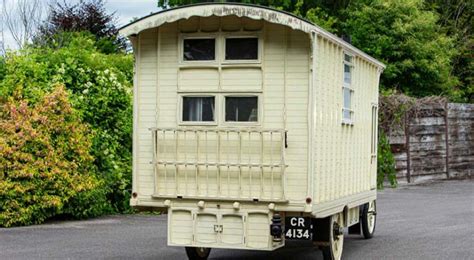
x: 199, y: 49
x: 198, y: 109
x: 241, y: 109
x: 241, y: 48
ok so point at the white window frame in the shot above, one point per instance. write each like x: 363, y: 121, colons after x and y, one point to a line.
x: 374, y: 131
x: 349, y: 86
x: 226, y: 36
x: 195, y: 123
x: 241, y: 123
x: 192, y: 36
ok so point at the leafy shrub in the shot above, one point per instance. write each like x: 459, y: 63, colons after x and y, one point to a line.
x: 385, y: 163
x: 2, y: 68
x: 406, y: 37
x: 100, y: 87
x: 45, y: 164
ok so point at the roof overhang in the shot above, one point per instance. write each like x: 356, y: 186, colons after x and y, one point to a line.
x: 241, y: 10
x: 216, y: 9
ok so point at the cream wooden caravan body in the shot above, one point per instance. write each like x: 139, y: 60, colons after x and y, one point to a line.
x: 308, y: 149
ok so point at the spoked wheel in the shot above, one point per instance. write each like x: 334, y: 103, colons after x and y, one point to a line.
x: 198, y: 253
x: 336, y: 238
x: 368, y: 219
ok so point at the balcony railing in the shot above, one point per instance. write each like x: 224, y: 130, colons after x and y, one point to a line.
x: 225, y: 164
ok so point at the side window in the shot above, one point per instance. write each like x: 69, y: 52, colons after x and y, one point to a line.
x: 374, y: 141
x: 199, y: 49
x: 241, y: 48
x: 198, y: 109
x: 241, y: 109
x: 347, y: 90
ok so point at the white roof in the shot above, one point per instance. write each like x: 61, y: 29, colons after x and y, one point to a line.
x: 240, y: 10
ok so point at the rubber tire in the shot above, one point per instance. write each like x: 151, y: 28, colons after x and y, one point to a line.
x: 193, y: 254
x: 364, y: 221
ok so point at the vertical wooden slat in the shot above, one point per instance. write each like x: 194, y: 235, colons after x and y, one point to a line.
x: 250, y: 170
x: 185, y: 142
x: 176, y: 143
x: 155, y: 159
x: 207, y: 167
x: 261, y: 162
x: 271, y: 162
x: 240, y: 161
x: 407, y: 145
x: 218, y: 160
x: 446, y: 132
x: 165, y: 170
x: 196, y: 133
x: 228, y: 168
x: 283, y: 166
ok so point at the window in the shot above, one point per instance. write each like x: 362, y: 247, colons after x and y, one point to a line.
x: 374, y: 141
x: 199, y: 49
x: 241, y: 48
x: 347, y: 91
x: 198, y: 109
x: 241, y: 109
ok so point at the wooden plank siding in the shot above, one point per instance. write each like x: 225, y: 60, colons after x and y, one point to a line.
x: 461, y: 139
x: 285, y: 80
x: 147, y: 62
x: 343, y: 165
x: 429, y: 148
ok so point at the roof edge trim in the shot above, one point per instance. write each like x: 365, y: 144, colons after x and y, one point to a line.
x: 241, y: 10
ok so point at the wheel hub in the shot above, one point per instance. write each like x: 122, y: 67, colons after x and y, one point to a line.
x: 337, y: 230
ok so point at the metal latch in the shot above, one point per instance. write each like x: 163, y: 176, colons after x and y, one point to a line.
x: 218, y: 228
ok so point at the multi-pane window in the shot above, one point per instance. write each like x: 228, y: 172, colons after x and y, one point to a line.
x: 198, y: 109
x: 241, y: 109
x: 241, y: 48
x: 347, y: 90
x: 199, y: 49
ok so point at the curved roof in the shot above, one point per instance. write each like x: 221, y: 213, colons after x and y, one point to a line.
x: 241, y: 10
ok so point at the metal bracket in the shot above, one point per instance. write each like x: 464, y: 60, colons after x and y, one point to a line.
x: 218, y: 228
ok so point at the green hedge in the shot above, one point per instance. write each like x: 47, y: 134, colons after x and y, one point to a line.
x: 99, y: 88
x: 45, y: 164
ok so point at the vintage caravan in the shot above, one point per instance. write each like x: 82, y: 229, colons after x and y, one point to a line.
x: 252, y: 127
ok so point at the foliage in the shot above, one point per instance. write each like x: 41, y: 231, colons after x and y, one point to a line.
x: 408, y: 40
x: 385, y: 163
x: 100, y: 87
x: 2, y: 68
x: 88, y: 15
x: 395, y: 109
x: 456, y: 19
x: 45, y: 165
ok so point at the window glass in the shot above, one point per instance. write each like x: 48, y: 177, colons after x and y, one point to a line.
x: 347, y: 98
x: 241, y: 49
x: 198, y: 109
x: 347, y: 58
x: 199, y: 49
x: 374, y: 131
x: 347, y: 74
x: 241, y: 109
x: 346, y: 114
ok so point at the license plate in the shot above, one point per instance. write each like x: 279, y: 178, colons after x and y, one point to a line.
x: 297, y: 228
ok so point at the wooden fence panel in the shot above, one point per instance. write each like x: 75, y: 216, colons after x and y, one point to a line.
x: 437, y: 144
x: 461, y: 139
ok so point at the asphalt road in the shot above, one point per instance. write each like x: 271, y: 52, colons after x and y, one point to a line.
x: 431, y: 221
